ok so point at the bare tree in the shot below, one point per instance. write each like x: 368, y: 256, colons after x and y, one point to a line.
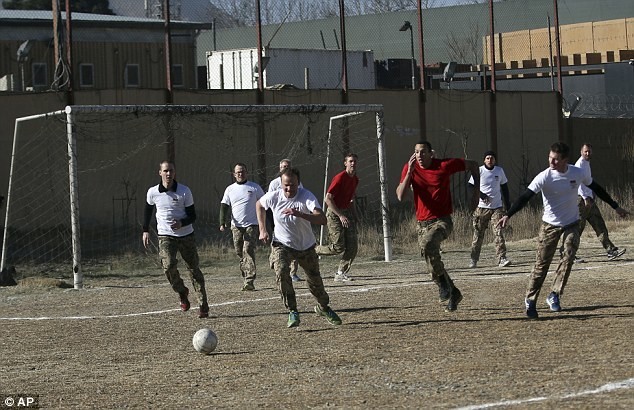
x: 463, y: 48
x: 383, y: 6
x: 242, y: 12
x: 239, y: 12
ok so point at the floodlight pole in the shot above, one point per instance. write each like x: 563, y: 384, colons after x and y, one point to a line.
x: 408, y: 26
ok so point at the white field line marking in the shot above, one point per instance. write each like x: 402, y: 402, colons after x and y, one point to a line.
x: 237, y: 302
x: 233, y: 302
x: 624, y: 384
x: 599, y: 267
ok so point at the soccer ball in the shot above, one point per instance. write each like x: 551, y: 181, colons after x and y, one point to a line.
x: 205, y: 341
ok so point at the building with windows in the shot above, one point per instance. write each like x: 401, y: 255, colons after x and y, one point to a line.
x: 108, y: 52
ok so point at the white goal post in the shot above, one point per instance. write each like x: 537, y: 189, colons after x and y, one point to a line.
x: 110, y: 153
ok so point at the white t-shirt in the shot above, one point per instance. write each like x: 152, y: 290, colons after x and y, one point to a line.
x: 292, y: 231
x: 583, y: 190
x: 242, y: 198
x: 490, y: 181
x: 559, y: 194
x: 170, y: 206
x: 277, y: 184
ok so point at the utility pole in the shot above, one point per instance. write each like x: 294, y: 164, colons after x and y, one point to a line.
x: 70, y: 97
x: 169, y: 98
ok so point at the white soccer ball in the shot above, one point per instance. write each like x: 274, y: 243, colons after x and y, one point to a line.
x: 205, y: 341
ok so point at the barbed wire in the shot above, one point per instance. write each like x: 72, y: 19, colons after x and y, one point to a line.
x: 601, y: 105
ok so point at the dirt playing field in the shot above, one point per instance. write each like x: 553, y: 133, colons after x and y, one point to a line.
x: 122, y: 342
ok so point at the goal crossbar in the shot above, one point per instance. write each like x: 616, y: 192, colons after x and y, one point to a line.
x: 210, y: 109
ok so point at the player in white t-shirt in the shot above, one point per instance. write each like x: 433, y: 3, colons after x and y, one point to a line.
x: 276, y: 184
x: 493, y: 190
x: 589, y: 211
x: 175, y: 214
x: 558, y: 185
x: 294, y: 211
x: 241, y: 197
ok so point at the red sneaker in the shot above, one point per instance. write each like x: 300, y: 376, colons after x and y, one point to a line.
x: 184, y: 301
x: 203, y: 312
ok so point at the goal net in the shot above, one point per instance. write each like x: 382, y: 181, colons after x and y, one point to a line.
x: 79, y: 177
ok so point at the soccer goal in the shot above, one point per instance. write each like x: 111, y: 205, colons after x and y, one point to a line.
x: 78, y: 177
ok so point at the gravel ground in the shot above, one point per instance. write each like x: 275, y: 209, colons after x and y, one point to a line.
x: 122, y: 342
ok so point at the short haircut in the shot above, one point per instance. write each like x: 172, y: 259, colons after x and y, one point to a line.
x: 425, y: 143
x: 167, y: 161
x: 285, y: 160
x: 350, y: 155
x: 290, y: 172
x: 239, y: 164
x: 585, y: 144
x: 560, y: 148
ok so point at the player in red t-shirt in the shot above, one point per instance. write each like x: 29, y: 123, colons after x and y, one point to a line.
x: 341, y: 215
x: 429, y: 179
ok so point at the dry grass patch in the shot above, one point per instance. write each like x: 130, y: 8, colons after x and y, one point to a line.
x: 43, y: 282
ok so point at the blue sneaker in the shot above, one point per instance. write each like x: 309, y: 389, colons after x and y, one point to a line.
x: 531, y: 309
x: 553, y: 302
x: 293, y: 319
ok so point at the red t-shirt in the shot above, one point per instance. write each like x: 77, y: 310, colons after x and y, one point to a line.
x: 342, y: 188
x: 432, y: 195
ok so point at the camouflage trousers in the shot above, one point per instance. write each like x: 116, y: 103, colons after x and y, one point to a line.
x: 281, y: 259
x: 549, y: 236
x: 482, y: 217
x: 169, y: 246
x: 342, y: 240
x: 430, y: 235
x: 244, y: 242
x: 593, y: 216
x: 270, y: 226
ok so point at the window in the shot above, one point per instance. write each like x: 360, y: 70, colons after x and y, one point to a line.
x: 132, y: 75
x: 86, y: 75
x: 177, y: 75
x: 39, y: 75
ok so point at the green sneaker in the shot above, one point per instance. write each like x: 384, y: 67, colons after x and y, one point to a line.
x: 293, y: 319
x: 329, y: 314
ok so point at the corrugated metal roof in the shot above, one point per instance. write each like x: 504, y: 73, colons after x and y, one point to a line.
x: 34, y: 16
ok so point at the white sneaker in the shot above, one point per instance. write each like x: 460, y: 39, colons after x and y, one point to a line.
x: 504, y: 262
x: 578, y: 260
x: 473, y: 264
x: 342, y: 277
x: 616, y: 253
